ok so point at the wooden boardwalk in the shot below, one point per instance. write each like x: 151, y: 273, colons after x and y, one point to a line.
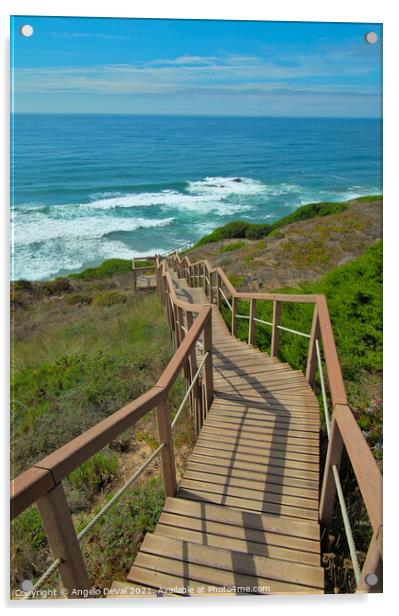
x: 245, y: 518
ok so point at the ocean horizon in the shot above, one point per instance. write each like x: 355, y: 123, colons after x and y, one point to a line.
x: 88, y: 187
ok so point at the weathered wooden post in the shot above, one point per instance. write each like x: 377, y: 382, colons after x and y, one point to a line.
x: 251, y: 326
x: 167, y: 453
x: 210, y: 288
x: 61, y: 534
x: 233, y: 315
x: 329, y: 490
x: 275, y: 330
x: 312, y: 353
x: 208, y: 366
x: 195, y: 397
x: 134, y: 276
x: 218, y: 294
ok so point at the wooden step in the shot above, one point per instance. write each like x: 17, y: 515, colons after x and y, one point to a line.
x: 210, y: 565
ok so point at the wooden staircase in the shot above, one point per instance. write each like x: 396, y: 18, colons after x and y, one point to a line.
x: 245, y: 519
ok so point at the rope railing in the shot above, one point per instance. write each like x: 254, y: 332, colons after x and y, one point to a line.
x: 345, y: 431
x: 340, y: 494
x: 42, y: 483
x: 100, y: 514
x: 189, y: 390
x: 225, y: 299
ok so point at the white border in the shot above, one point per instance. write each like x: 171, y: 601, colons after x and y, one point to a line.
x: 284, y: 10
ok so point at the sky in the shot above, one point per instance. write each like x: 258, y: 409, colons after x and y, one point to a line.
x: 188, y: 67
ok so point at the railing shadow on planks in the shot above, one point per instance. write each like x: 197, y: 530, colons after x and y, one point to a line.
x: 191, y: 332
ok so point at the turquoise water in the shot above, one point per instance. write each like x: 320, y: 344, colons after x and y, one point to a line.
x: 90, y: 187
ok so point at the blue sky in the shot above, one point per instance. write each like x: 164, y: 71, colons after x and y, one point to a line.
x: 86, y: 65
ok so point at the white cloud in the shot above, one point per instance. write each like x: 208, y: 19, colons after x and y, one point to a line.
x: 212, y: 74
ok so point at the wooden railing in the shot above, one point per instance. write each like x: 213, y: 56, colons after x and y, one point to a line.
x: 191, y: 330
x: 42, y: 483
x: 138, y: 269
x: 343, y: 429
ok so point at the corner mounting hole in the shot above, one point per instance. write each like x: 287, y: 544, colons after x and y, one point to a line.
x: 26, y: 30
x: 371, y: 579
x: 371, y: 38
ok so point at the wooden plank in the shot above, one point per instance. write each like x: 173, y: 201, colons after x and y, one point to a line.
x: 243, y: 503
x: 242, y: 545
x: 258, y: 418
x: 290, y: 466
x: 262, y: 485
x: 267, y: 376
x: 261, y: 496
x: 283, y: 401
x: 240, y: 531
x: 278, y: 450
x: 283, y: 397
x: 233, y: 425
x: 266, y: 442
x: 158, y: 580
x: 227, y: 470
x: 257, y: 521
x: 236, y: 562
x: 265, y: 391
x: 211, y: 583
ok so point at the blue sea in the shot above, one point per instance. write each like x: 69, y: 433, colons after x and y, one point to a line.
x: 86, y: 188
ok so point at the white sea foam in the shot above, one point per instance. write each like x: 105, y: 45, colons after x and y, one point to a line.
x: 41, y: 229
x: 170, y: 199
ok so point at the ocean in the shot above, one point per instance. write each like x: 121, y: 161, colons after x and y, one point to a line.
x: 86, y: 188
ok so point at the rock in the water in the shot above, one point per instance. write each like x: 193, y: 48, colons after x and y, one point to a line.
x: 237, y: 180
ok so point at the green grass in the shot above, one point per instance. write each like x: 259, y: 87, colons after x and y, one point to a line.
x: 354, y: 296
x: 111, y: 267
x: 242, y: 229
x: 94, y: 474
x: 115, y: 540
x: 109, y: 298
x: 230, y: 247
x: 79, y: 365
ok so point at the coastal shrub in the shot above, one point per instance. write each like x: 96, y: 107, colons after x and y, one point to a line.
x: 59, y: 286
x: 354, y: 296
x: 94, y: 474
x: 116, y: 538
x: 78, y: 298
x: 236, y: 279
x: 111, y: 267
x: 232, y: 246
x: 22, y: 285
x: 109, y: 298
x: 232, y: 230
x: 56, y: 402
x: 252, y: 231
x: 276, y: 234
x: 257, y: 231
x: 29, y: 549
x: 311, y: 210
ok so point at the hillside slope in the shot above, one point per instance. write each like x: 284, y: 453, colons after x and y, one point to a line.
x: 298, y: 252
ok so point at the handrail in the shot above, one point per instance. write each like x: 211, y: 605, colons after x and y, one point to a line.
x: 344, y: 430
x: 44, y: 475
x: 42, y: 483
x: 189, y: 322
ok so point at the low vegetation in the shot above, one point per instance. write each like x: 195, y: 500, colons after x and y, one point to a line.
x: 252, y: 231
x: 111, y: 267
x: 354, y: 295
